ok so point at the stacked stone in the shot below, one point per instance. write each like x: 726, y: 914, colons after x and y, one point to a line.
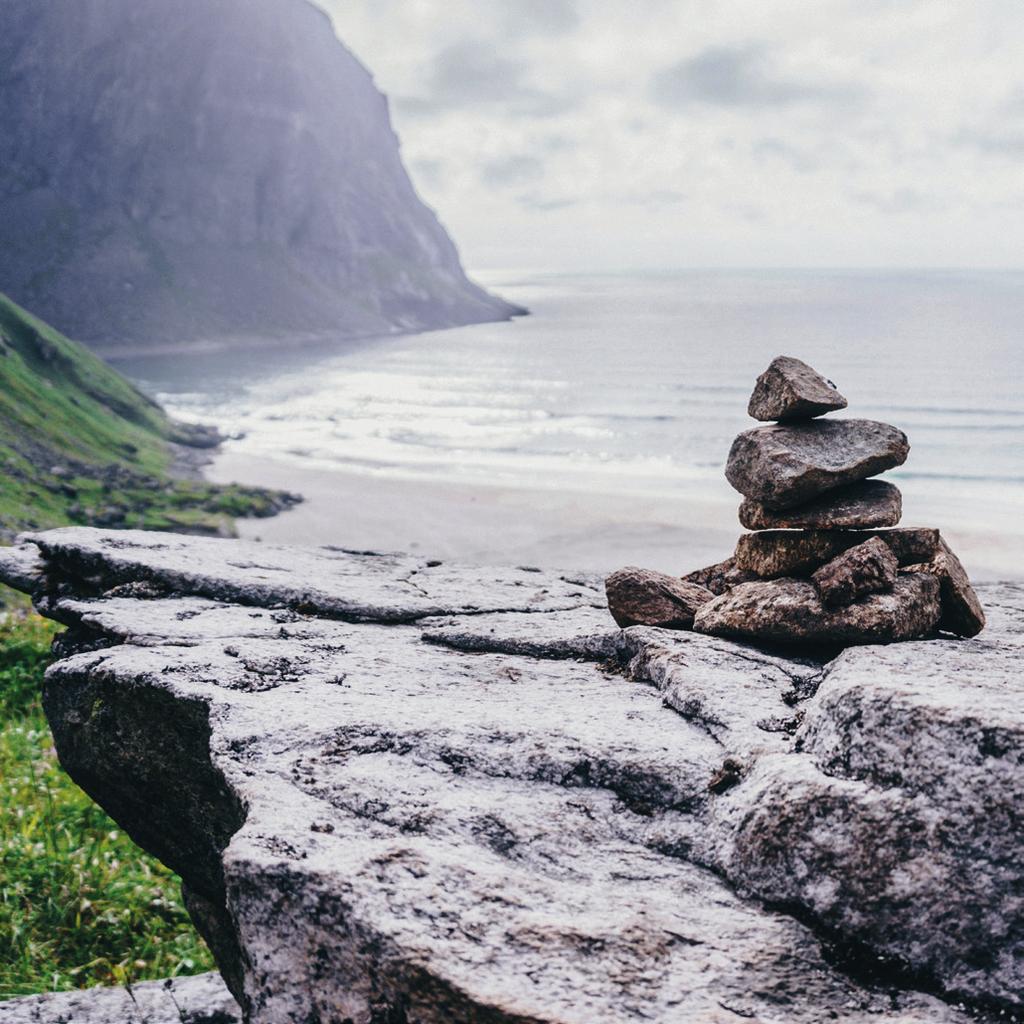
x: 824, y: 563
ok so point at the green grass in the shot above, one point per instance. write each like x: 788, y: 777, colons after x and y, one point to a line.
x: 80, y: 444
x: 80, y: 904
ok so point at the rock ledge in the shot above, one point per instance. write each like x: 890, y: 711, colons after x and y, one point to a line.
x: 404, y: 791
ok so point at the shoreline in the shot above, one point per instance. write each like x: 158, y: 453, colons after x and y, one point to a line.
x: 504, y: 525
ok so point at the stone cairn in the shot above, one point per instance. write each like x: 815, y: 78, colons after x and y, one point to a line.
x: 824, y: 564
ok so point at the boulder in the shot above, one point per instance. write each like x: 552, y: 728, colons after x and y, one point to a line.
x: 868, y: 568
x: 524, y: 814
x: 790, y: 389
x: 961, y: 610
x: 791, y: 611
x: 783, y: 466
x: 642, y: 597
x: 798, y: 553
x: 869, y: 504
x: 720, y: 577
x: 898, y: 823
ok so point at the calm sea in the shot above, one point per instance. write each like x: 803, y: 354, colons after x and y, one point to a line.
x: 640, y: 382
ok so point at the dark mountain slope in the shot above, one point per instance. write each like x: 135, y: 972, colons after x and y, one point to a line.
x: 204, y: 167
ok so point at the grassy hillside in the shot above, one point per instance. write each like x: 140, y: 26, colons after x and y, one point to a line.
x: 80, y: 444
x: 80, y: 904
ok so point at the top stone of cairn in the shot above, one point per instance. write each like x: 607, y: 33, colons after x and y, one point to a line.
x: 791, y: 390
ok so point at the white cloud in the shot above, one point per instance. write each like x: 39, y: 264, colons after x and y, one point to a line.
x: 621, y: 133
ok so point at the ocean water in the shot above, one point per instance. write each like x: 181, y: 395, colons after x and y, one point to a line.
x: 640, y: 382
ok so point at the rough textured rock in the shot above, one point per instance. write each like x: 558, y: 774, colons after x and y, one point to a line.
x: 790, y: 389
x: 234, y: 153
x: 898, y: 822
x: 961, y: 610
x: 791, y: 553
x: 22, y: 567
x: 870, y: 504
x: 865, y: 569
x: 199, y: 1000
x: 642, y: 597
x: 536, y: 818
x: 720, y: 577
x: 783, y: 466
x: 792, y: 611
x: 353, y: 585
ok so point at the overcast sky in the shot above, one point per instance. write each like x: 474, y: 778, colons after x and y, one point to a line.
x: 623, y: 134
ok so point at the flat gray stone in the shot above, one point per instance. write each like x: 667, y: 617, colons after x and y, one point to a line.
x: 783, y: 466
x: 863, y: 569
x: 352, y: 585
x: 199, y: 1000
x: 870, y: 504
x: 790, y: 389
x: 792, y: 611
x: 537, y: 817
x: 643, y: 597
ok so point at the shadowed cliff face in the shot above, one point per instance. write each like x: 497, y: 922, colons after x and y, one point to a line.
x: 171, y: 171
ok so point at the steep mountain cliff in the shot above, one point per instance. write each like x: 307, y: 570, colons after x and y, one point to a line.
x: 209, y: 167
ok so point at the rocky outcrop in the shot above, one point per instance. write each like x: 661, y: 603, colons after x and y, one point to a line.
x: 199, y: 1000
x: 405, y: 791
x: 170, y: 172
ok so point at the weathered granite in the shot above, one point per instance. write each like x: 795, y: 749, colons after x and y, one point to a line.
x: 898, y: 821
x: 351, y: 585
x: 792, y: 611
x: 864, y: 569
x: 869, y: 504
x: 782, y: 466
x: 643, y: 597
x: 199, y: 1000
x: 504, y: 826
x: 720, y: 577
x: 790, y: 389
x: 775, y: 553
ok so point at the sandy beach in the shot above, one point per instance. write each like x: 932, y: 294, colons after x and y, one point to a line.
x: 557, y: 529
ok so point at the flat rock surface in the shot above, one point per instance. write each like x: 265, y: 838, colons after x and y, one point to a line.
x: 783, y: 466
x: 792, y: 611
x: 513, y: 816
x: 870, y: 504
x: 199, y: 1000
x: 352, y: 585
x: 790, y: 389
